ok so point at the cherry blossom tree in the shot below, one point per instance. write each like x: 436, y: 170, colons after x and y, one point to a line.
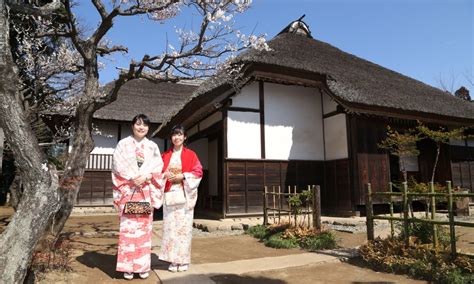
x: 68, y: 77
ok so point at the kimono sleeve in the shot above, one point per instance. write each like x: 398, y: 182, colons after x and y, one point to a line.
x: 120, y: 180
x: 191, y: 182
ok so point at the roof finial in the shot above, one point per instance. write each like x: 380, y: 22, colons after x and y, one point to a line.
x: 297, y: 27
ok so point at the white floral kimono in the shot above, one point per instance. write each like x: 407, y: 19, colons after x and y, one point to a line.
x: 178, y: 219
x: 134, y: 247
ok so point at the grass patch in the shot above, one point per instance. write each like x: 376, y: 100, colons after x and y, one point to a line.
x: 258, y: 231
x: 284, y: 236
x: 276, y: 241
x: 324, y: 240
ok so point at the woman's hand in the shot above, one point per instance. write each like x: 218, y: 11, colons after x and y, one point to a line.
x: 176, y: 178
x: 168, y: 174
x: 139, y: 180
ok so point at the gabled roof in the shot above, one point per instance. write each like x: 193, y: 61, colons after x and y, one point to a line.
x: 156, y: 100
x: 354, y: 82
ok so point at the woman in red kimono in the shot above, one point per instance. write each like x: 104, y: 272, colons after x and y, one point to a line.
x: 136, y: 171
x: 183, y: 172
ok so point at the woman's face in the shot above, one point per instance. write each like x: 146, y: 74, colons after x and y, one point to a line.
x: 140, y: 130
x: 178, y: 139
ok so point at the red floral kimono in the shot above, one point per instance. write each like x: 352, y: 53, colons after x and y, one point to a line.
x: 178, y: 219
x: 134, y: 247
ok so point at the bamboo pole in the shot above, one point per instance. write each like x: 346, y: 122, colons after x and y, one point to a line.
x: 392, y: 230
x: 265, y: 217
x: 279, y: 204
x: 405, y: 213
x: 317, y: 207
x: 296, y: 211
x: 452, y: 232
x: 274, y: 207
x: 289, y: 205
x: 369, y: 213
x: 433, y: 216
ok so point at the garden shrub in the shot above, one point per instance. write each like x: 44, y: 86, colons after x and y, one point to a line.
x: 284, y: 236
x: 417, y: 260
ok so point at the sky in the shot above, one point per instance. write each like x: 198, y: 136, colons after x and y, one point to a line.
x: 429, y: 40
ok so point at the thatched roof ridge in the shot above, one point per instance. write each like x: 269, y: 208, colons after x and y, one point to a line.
x: 156, y: 100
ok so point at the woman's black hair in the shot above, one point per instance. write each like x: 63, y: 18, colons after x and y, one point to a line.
x: 178, y: 129
x: 141, y: 117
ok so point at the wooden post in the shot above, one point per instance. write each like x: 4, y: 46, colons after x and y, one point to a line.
x: 433, y: 216
x: 274, y: 206
x: 405, y: 213
x: 289, y: 205
x: 452, y: 232
x: 317, y: 207
x: 392, y: 229
x: 279, y: 204
x: 296, y: 211
x: 265, y: 217
x: 369, y: 213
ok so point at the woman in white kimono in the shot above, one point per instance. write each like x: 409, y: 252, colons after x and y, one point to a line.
x: 183, y: 172
x: 137, y: 166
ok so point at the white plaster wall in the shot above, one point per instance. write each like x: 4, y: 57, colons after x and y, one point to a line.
x: 212, y: 165
x: 105, y: 138
x: 293, y: 123
x: 335, y: 131
x: 470, y: 142
x: 329, y: 104
x: 248, y: 97
x: 243, y: 135
x: 210, y: 120
x: 201, y: 148
x: 411, y: 163
x: 457, y: 142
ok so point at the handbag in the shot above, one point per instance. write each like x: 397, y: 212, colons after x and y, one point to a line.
x: 137, y: 207
x: 174, y: 198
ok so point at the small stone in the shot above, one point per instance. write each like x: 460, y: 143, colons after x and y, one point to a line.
x: 237, y: 227
x: 211, y: 228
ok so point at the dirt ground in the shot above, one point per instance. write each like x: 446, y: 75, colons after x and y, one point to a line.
x: 94, y: 255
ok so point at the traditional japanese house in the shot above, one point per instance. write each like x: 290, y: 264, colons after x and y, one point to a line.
x: 113, y: 122
x: 306, y: 112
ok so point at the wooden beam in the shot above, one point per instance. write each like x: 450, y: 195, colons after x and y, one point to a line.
x: 243, y: 109
x: 225, y: 188
x: 262, y: 118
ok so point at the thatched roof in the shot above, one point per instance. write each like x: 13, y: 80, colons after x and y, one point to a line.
x: 354, y: 82
x: 156, y: 100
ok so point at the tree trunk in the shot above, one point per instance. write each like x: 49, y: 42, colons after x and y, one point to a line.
x: 438, y: 149
x: 15, y: 192
x: 82, y: 142
x: 75, y: 166
x: 2, y: 137
x: 82, y: 145
x: 40, y: 198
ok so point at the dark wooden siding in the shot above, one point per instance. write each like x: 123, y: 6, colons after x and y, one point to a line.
x: 96, y: 189
x: 336, y: 190
x: 462, y: 166
x: 246, y: 179
x: 370, y: 163
x: 373, y: 168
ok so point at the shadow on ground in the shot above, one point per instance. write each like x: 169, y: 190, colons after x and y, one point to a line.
x: 238, y: 279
